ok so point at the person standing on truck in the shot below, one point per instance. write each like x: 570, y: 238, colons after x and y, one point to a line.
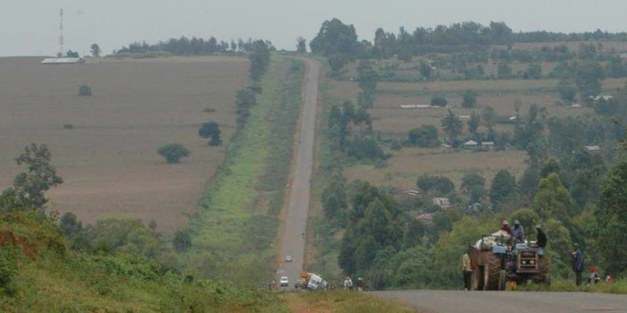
x: 518, y: 232
x: 541, y: 240
x: 577, y: 263
x: 467, y: 269
x: 505, y: 227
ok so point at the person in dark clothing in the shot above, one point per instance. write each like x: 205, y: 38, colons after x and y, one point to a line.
x: 577, y: 263
x: 540, y: 240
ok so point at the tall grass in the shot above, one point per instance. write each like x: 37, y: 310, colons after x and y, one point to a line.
x: 237, y: 224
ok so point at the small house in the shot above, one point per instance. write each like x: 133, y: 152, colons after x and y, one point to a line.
x: 443, y: 203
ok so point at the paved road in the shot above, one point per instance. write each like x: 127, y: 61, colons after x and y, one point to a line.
x: 440, y: 301
x: 292, y: 241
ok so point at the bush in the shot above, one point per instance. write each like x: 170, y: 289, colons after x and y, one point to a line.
x: 173, y: 152
x: 84, y: 90
x: 182, y: 241
x: 8, y: 270
x: 439, y: 101
x: 68, y: 126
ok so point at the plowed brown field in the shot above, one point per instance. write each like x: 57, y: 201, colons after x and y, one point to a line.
x: 108, y: 159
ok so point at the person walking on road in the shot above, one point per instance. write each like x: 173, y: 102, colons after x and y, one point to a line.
x: 467, y: 269
x: 348, y: 283
x: 577, y: 263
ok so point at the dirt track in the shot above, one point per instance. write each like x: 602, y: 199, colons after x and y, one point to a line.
x: 441, y: 301
x: 293, y: 241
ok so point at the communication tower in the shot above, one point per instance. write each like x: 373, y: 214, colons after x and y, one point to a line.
x: 61, y: 41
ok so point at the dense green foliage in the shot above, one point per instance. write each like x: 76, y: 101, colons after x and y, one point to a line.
x: 28, y: 191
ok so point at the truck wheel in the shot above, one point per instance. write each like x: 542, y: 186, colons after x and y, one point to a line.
x: 493, y: 271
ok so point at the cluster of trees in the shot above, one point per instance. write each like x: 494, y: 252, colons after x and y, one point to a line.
x: 340, y: 44
x: 462, y: 48
x: 193, y: 46
x: 350, y: 131
x: 384, y: 242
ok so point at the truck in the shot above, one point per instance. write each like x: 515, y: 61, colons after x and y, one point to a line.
x: 310, y: 281
x: 497, y: 260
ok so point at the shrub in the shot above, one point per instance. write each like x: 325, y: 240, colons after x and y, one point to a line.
x: 68, y: 126
x: 439, y: 101
x: 182, y: 241
x: 173, y: 152
x: 84, y: 90
x: 8, y: 270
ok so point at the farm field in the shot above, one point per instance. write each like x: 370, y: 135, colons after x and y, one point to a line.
x: 108, y: 157
x: 392, y: 122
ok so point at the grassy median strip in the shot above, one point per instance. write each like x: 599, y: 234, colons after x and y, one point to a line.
x: 238, y: 221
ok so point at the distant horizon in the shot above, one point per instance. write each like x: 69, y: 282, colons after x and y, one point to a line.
x: 31, y: 27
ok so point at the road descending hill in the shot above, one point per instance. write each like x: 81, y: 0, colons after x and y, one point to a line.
x: 293, y: 239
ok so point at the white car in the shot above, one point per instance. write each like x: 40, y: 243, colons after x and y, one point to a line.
x: 288, y: 258
x: 284, y: 282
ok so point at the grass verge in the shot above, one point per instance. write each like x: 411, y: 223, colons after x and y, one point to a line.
x: 237, y: 223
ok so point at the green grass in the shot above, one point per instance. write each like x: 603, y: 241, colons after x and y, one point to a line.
x: 238, y: 222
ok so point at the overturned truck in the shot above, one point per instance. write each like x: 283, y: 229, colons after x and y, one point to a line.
x: 497, y: 260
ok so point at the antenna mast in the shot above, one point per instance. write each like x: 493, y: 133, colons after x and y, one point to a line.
x: 60, y: 54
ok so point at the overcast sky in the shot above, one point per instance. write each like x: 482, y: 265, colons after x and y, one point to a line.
x: 31, y: 27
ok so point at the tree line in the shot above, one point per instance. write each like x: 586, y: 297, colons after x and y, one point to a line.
x: 193, y: 46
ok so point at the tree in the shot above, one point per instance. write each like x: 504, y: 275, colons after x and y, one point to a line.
x: 504, y: 71
x: 301, y: 45
x: 473, y: 123
x: 567, y: 90
x: 367, y: 77
x: 424, y: 136
x: 84, y: 90
x: 425, y: 70
x: 259, y: 59
x: 211, y: 130
x: 473, y: 185
x: 489, y: 117
x: 440, y: 185
x: 452, y: 125
x: 438, y: 101
x: 334, y: 200
x: 503, y: 188
x: 553, y: 200
x: 611, y: 218
x: 335, y: 38
x: 95, y: 50
x: 173, y: 152
x: 534, y: 71
x: 588, y: 77
x: 469, y: 98
x: 72, y: 54
x: 182, y: 241
x: 28, y: 191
